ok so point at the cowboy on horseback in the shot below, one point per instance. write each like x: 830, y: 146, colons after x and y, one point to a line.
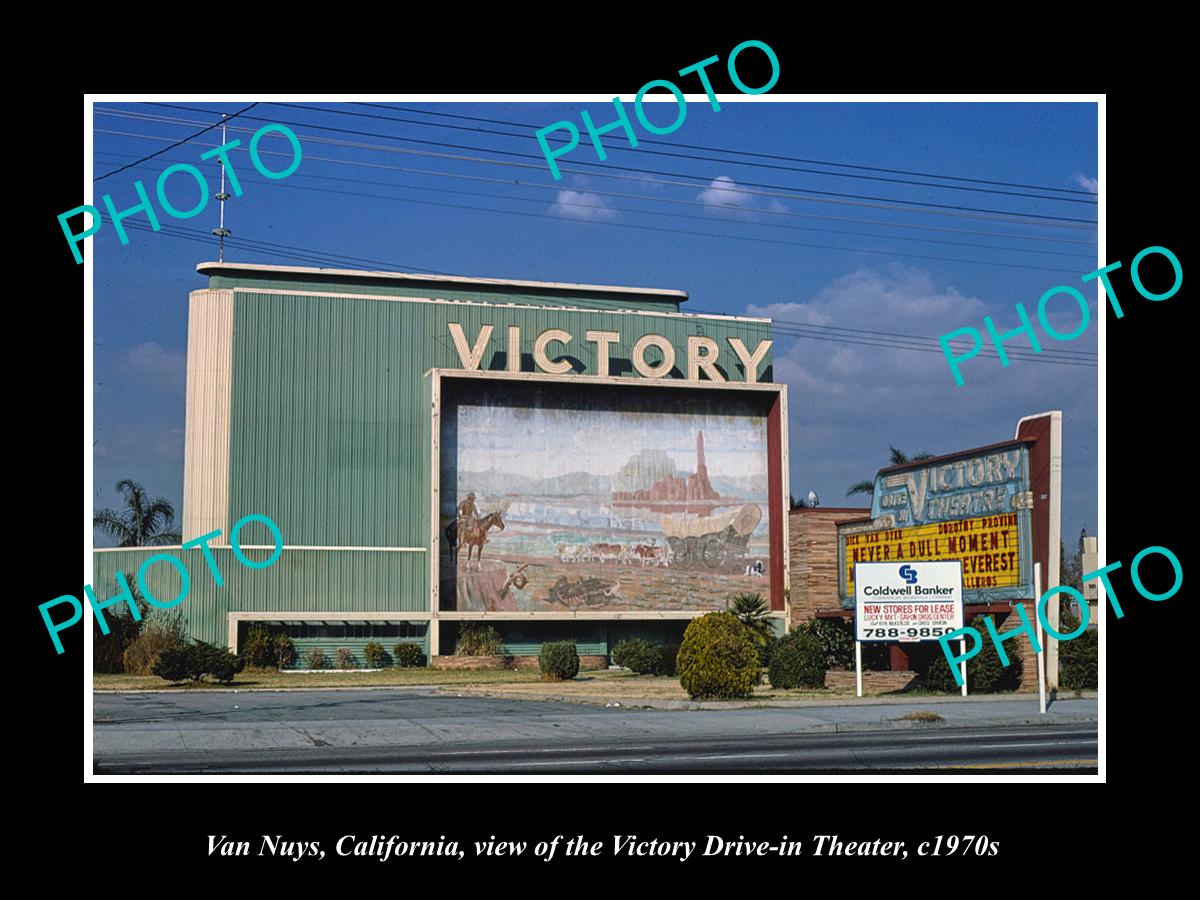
x: 467, y: 513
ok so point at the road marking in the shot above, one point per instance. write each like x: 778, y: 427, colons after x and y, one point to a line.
x: 736, y: 756
x: 1027, y: 744
x: 1018, y: 765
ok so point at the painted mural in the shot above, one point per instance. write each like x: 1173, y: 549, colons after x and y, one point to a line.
x: 555, y: 509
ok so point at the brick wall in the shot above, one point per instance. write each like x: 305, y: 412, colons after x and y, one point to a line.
x: 812, y: 545
x: 873, y: 682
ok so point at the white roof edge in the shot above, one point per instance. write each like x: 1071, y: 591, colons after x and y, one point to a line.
x: 462, y: 279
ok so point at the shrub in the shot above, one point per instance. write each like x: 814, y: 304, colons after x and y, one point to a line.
x: 345, y: 658
x: 718, y: 659
x: 752, y: 610
x: 174, y: 663
x: 315, y: 658
x: 798, y: 661
x: 196, y: 660
x: 259, y: 648
x: 667, y: 655
x: 285, y: 651
x: 558, y: 661
x: 766, y: 649
x: 108, y: 650
x: 644, y: 658
x: 1078, y: 659
x: 636, y: 654
x: 985, y: 673
x: 216, y: 661
x: 159, y: 630
x: 836, y: 637
x: 374, y: 655
x: 477, y: 639
x: 408, y: 655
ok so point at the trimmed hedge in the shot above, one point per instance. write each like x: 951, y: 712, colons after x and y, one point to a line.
x: 1079, y: 658
x: 635, y: 654
x: 285, y: 651
x: 196, y: 660
x: 718, y: 659
x: 558, y: 661
x: 836, y: 637
x: 797, y: 661
x: 315, y: 658
x: 477, y: 639
x: 408, y: 655
x: 985, y: 673
x: 374, y: 655
x: 259, y: 648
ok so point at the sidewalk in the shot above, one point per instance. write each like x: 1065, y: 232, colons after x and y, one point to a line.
x: 204, y: 721
x: 925, y: 701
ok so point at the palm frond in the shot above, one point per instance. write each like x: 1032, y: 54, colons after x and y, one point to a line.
x: 861, y: 487
x: 899, y: 457
x: 112, y: 524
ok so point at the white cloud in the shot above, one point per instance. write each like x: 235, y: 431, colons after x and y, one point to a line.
x: 723, y: 194
x: 848, y: 402
x: 582, y: 205
x: 1088, y: 184
x: 156, y: 366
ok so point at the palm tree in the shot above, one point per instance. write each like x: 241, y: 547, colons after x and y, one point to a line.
x: 752, y: 611
x: 145, y: 523
x: 899, y: 458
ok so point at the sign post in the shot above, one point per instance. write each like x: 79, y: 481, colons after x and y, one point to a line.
x: 1041, y: 639
x: 910, y: 601
x: 962, y: 652
x: 858, y: 665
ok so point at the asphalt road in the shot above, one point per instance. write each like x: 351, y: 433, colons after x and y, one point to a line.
x: 419, y: 730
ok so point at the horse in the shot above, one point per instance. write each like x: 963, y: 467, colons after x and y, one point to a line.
x: 474, y: 534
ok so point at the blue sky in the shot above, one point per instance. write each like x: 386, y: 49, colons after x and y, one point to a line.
x: 848, y: 401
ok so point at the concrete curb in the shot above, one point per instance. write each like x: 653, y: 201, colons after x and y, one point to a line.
x: 643, y: 703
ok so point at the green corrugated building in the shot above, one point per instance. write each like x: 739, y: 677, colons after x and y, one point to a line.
x: 334, y: 402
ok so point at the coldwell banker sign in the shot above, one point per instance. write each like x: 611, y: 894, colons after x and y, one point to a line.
x: 917, y: 601
x: 971, y: 507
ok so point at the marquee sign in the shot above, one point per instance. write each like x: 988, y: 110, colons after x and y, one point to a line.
x: 972, y: 507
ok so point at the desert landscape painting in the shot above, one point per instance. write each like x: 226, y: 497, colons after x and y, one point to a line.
x: 565, y: 509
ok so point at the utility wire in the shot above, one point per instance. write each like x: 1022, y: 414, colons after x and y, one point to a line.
x: 728, y: 162
x: 689, y: 185
x: 603, y: 165
x: 890, y: 341
x: 818, y: 162
x: 224, y: 118
x: 654, y: 212
x: 511, y: 182
x: 684, y: 231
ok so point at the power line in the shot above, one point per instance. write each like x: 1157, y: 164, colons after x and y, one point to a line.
x: 890, y: 200
x: 224, y: 118
x: 790, y: 329
x: 732, y: 237
x: 727, y: 162
x: 819, y: 162
x: 644, y: 197
x: 653, y: 212
x: 891, y: 206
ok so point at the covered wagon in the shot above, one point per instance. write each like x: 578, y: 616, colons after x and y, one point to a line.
x: 711, y: 542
